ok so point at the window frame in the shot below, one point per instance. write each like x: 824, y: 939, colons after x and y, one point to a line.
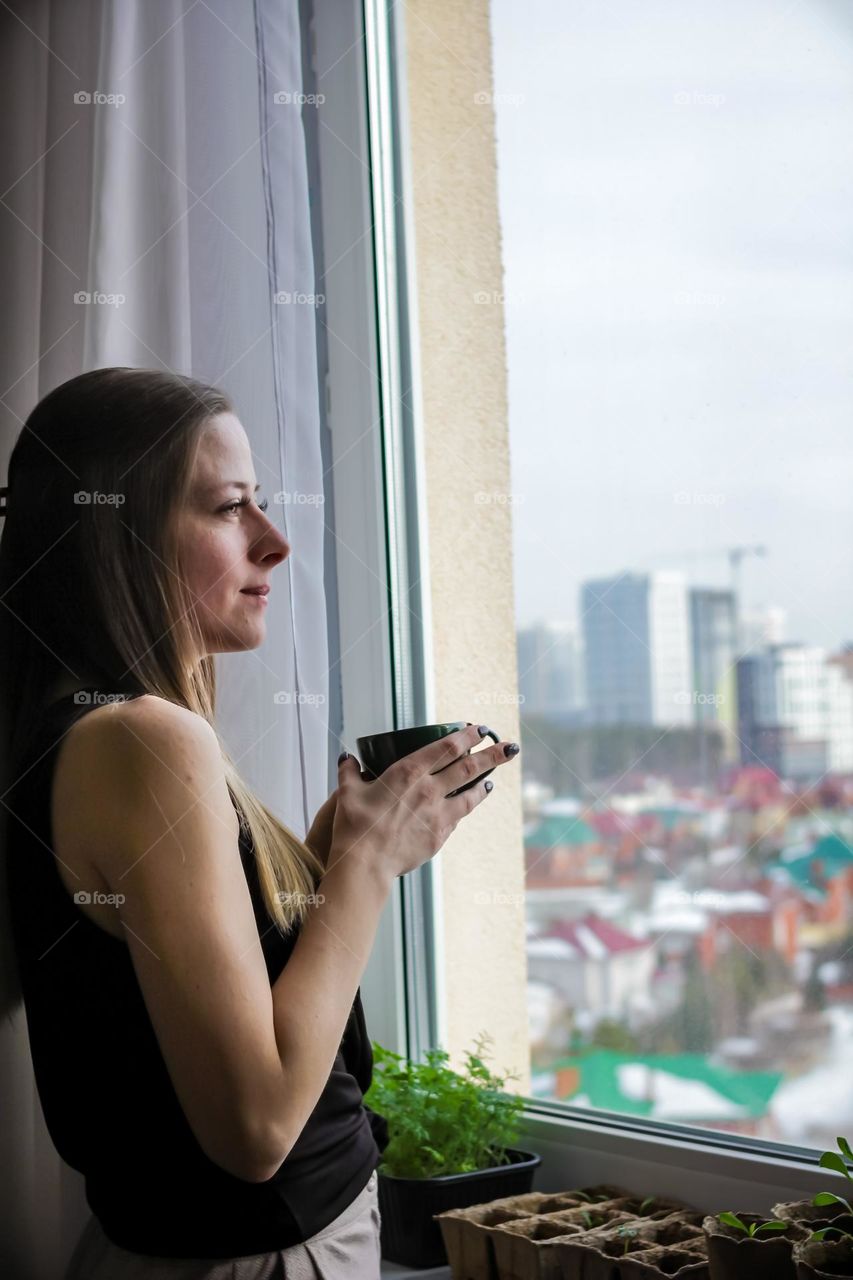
x: 389, y: 681
x: 372, y: 394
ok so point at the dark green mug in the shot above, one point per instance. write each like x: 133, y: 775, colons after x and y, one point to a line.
x: 380, y: 750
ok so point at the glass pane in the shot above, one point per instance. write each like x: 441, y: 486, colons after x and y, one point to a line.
x: 677, y: 219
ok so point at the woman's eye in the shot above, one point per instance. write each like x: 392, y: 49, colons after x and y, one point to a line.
x: 244, y: 502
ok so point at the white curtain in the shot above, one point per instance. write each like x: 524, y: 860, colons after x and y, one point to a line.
x: 177, y: 183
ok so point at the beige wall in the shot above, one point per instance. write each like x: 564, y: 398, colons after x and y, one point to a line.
x: 463, y: 370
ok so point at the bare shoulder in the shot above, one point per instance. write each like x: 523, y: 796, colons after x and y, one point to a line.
x: 122, y: 751
x: 141, y: 724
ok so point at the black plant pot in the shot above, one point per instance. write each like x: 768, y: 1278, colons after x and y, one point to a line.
x: 409, y: 1234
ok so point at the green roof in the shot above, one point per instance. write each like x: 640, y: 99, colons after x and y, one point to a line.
x: 748, y: 1092
x: 671, y: 815
x: 832, y: 853
x: 557, y: 830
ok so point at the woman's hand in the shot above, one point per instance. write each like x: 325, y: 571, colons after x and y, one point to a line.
x: 319, y: 837
x: 395, y: 823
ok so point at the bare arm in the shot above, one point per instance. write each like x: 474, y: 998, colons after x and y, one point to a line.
x: 248, y: 1062
x: 313, y: 994
x: 381, y: 829
x: 163, y: 832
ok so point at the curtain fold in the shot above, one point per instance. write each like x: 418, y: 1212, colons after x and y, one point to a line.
x: 166, y: 224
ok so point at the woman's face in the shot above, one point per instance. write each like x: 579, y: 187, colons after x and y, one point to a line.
x: 225, y: 547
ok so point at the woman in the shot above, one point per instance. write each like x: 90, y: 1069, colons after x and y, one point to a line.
x: 194, y: 1017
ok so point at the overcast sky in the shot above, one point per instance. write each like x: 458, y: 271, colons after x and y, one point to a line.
x: 676, y: 192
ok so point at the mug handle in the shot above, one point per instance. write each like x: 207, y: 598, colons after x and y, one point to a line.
x: 495, y: 737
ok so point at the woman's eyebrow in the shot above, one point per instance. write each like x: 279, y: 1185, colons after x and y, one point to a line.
x: 231, y: 484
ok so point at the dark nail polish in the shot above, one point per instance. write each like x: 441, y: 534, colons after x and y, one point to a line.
x: 482, y: 729
x: 511, y: 749
x: 488, y: 784
x: 343, y: 756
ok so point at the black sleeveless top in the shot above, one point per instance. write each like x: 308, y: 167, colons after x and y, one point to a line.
x: 108, y: 1100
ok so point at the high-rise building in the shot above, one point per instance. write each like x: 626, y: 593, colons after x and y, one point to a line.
x: 760, y: 627
x: 636, y: 632
x: 796, y: 711
x: 712, y: 639
x: 550, y: 669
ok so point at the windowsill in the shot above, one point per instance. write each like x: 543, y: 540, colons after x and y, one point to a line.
x: 578, y: 1152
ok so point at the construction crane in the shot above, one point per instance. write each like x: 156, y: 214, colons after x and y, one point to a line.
x: 735, y: 556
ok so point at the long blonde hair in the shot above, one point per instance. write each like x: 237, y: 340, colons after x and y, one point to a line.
x: 101, y: 584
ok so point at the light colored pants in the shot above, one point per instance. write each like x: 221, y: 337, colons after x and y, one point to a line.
x: 347, y: 1249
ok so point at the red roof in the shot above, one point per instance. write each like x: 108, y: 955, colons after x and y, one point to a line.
x: 593, y: 937
x: 609, y: 823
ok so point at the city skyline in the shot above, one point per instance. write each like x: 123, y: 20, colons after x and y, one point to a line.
x: 699, y: 340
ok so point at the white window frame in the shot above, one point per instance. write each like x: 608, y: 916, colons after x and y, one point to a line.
x: 384, y: 621
x: 379, y: 530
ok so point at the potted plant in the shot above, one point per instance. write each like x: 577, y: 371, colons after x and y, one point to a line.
x: 636, y: 1248
x: 825, y: 1209
x: 748, y: 1247
x: 828, y: 1251
x: 817, y: 1258
x: 471, y: 1234
x: 450, y: 1144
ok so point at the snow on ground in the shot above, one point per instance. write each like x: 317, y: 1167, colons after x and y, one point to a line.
x: 820, y: 1102
x: 675, y: 1098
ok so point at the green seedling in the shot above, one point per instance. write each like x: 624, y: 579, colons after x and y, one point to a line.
x: 753, y: 1229
x: 827, y: 1197
x: 591, y: 1220
x: 824, y: 1231
x: 647, y: 1203
x: 837, y: 1161
x: 629, y: 1233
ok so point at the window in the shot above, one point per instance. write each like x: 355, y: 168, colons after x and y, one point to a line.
x: 675, y: 186
x: 378, y: 664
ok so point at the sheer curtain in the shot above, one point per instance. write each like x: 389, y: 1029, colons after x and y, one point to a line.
x: 155, y: 212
